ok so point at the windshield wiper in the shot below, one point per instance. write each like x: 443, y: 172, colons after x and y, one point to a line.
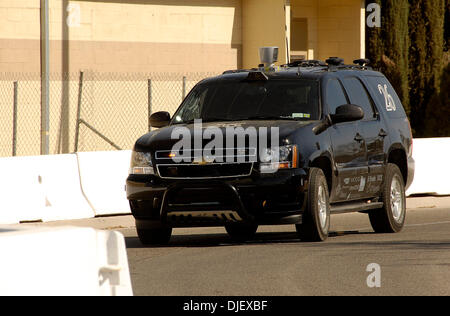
x: 269, y: 118
x: 253, y: 118
x: 207, y: 120
x: 218, y: 119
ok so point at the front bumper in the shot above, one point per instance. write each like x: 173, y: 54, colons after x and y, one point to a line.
x: 263, y: 199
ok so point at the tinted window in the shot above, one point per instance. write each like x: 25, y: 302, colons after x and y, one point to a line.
x: 386, y: 97
x: 238, y: 100
x: 335, y: 95
x: 358, y: 95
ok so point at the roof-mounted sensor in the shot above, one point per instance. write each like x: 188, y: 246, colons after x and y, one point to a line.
x: 268, y: 55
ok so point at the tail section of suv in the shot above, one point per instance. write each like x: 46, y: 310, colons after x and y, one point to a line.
x: 336, y: 138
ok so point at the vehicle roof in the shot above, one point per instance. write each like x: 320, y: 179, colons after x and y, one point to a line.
x: 288, y: 72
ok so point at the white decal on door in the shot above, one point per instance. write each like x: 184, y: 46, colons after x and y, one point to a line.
x: 389, y: 100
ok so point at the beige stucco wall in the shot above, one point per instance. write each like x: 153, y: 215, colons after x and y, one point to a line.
x: 127, y: 36
x: 335, y: 27
x: 263, y: 24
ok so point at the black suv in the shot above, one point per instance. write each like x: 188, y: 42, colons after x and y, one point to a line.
x: 339, y: 136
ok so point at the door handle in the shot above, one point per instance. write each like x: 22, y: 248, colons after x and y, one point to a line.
x: 358, y: 138
x: 383, y: 133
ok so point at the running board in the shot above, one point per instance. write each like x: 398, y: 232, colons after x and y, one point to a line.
x: 355, y: 207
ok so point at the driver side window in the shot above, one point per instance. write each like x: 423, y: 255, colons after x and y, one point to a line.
x: 335, y: 95
x: 193, y: 108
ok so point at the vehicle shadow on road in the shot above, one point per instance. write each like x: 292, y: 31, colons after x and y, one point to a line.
x: 223, y: 240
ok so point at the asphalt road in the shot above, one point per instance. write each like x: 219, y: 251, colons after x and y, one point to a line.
x: 205, y: 262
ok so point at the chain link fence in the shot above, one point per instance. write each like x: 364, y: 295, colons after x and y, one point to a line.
x: 88, y: 111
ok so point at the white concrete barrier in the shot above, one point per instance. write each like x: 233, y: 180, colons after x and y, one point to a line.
x: 43, y: 188
x: 63, y: 262
x: 432, y: 175
x: 85, y: 185
x: 103, y: 178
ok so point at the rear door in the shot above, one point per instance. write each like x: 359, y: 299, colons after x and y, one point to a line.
x: 349, y: 149
x: 374, y: 133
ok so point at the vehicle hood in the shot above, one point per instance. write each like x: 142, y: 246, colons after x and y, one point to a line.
x: 162, y: 139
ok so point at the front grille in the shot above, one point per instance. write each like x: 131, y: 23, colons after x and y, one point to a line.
x: 220, y: 154
x: 209, y: 171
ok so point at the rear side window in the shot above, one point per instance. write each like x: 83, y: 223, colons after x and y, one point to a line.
x: 358, y: 96
x: 386, y: 97
x: 335, y: 95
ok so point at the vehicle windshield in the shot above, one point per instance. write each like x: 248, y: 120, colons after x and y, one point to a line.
x: 256, y: 100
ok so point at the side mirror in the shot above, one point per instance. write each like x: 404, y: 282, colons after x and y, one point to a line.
x: 160, y: 119
x: 347, y: 113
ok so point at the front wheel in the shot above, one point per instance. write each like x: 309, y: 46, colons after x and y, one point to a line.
x: 391, y: 218
x: 316, y: 218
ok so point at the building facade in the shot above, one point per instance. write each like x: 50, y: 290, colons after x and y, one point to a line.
x: 177, y: 35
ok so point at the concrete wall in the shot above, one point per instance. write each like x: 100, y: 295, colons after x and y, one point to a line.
x: 124, y: 36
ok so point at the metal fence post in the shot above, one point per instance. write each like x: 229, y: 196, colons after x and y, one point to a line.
x: 45, y: 79
x: 149, y: 104
x: 80, y: 95
x: 14, y: 142
x: 184, y: 88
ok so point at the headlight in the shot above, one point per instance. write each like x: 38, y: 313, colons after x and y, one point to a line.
x: 141, y: 163
x: 273, y: 159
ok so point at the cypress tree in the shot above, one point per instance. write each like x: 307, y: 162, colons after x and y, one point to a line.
x: 426, y: 24
x: 396, y: 44
x: 417, y: 60
x: 439, y: 123
x: 447, y: 26
x: 409, y: 48
x: 374, y: 42
x: 387, y: 47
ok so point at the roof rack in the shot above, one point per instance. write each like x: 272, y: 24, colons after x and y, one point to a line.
x: 336, y: 63
x: 332, y: 64
x: 307, y: 63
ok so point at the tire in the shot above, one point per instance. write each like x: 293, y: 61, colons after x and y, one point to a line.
x: 391, y: 218
x: 152, y: 233
x: 241, y: 232
x: 316, y: 217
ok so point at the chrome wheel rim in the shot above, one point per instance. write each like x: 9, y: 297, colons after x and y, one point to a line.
x: 396, y: 200
x: 322, y: 206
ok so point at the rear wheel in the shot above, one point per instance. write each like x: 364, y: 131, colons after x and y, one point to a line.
x: 316, y: 218
x: 153, y: 233
x: 391, y: 218
x: 241, y: 232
